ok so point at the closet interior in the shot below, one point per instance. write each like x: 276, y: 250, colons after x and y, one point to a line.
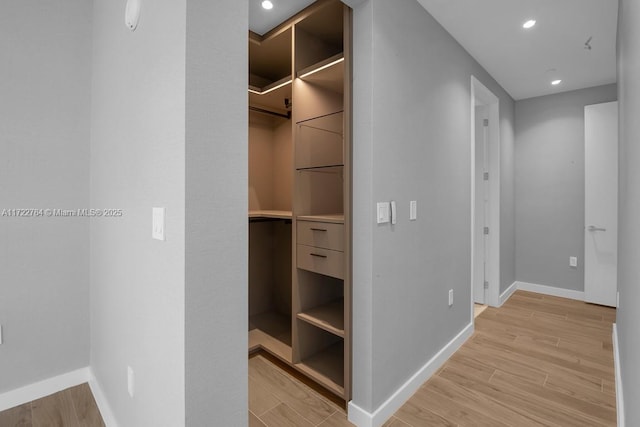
x: 299, y: 194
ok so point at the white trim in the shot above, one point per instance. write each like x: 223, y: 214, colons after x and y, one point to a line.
x: 362, y: 418
x: 43, y: 388
x: 551, y: 290
x: 507, y: 293
x: 481, y: 95
x: 616, y: 364
x: 101, y: 400
x: 359, y: 416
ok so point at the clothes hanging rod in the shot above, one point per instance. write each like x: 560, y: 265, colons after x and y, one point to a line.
x: 273, y: 113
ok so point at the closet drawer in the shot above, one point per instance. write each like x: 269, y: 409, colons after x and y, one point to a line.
x: 323, y: 261
x: 321, y: 234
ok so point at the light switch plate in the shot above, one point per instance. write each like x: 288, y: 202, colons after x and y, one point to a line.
x: 382, y: 214
x: 157, y: 230
x: 573, y: 261
x: 413, y: 210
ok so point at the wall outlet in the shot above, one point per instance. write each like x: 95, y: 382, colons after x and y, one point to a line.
x: 450, y: 297
x: 131, y: 381
x: 157, y: 220
x: 573, y: 261
x: 413, y: 210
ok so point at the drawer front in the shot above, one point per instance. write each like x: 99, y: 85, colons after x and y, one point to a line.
x: 320, y: 234
x: 318, y: 260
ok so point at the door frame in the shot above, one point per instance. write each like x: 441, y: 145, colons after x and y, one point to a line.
x: 481, y: 95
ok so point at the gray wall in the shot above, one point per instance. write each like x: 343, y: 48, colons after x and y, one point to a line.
x: 411, y: 142
x: 507, y: 195
x: 137, y: 162
x: 216, y: 213
x: 44, y: 163
x: 629, y: 206
x: 549, y: 181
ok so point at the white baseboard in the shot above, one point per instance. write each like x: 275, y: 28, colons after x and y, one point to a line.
x: 617, y: 366
x: 551, y: 290
x: 103, y: 405
x: 362, y: 418
x: 507, y: 293
x: 43, y: 388
x: 358, y: 416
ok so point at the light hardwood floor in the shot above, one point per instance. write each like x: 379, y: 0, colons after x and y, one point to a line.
x: 536, y: 361
x: 73, y: 407
x: 478, y: 309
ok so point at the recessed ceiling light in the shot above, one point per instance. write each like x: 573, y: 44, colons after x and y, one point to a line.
x: 266, y: 4
x: 556, y: 82
x: 530, y: 23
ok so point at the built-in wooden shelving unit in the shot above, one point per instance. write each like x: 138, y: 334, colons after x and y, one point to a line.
x: 301, y: 70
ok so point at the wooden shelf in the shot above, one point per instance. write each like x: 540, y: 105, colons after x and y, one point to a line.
x: 270, y: 214
x: 329, y: 317
x: 322, y: 168
x: 263, y: 97
x: 272, y: 87
x: 271, y: 331
x: 327, y: 368
x: 259, y: 340
x: 332, y: 218
x: 328, y: 73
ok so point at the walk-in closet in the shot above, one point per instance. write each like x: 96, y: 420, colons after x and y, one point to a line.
x: 299, y: 194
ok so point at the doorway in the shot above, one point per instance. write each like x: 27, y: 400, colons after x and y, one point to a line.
x: 485, y: 196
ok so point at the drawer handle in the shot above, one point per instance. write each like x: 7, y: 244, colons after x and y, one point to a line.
x: 318, y: 229
x: 318, y: 255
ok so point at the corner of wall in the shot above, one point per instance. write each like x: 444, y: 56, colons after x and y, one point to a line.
x: 101, y: 400
x: 507, y: 293
x: 380, y: 415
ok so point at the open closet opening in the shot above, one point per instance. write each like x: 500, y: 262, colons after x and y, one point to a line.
x: 300, y: 194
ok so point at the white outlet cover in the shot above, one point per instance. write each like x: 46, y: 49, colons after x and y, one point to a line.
x: 157, y: 223
x: 131, y: 381
x: 573, y: 261
x: 413, y: 210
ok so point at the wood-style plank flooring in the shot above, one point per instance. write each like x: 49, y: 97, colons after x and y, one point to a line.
x: 73, y: 407
x: 536, y: 361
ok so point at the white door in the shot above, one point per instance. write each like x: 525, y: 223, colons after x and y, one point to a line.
x: 601, y: 203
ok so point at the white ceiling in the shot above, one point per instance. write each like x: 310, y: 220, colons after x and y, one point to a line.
x: 520, y: 60
x: 261, y: 20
